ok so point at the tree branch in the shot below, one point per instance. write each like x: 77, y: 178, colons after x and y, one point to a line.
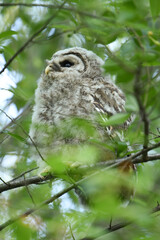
x: 136, y: 160
x: 31, y: 210
x: 37, y: 179
x: 108, y: 230
x: 118, y: 226
x: 23, y: 182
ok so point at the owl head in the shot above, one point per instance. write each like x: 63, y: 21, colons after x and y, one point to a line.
x: 74, y: 62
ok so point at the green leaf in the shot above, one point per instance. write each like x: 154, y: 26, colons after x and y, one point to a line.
x: 21, y: 229
x: 7, y: 34
x: 131, y: 104
x: 116, y: 119
x: 56, y: 163
x: 121, y: 148
x: 155, y: 8
x: 21, y: 139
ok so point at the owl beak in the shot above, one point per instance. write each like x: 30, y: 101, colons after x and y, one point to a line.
x: 53, y: 67
x: 47, y: 70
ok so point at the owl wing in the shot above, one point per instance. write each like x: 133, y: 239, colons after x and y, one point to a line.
x: 108, y: 100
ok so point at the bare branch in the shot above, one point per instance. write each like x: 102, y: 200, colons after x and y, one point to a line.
x: 28, y: 191
x: 24, y: 131
x: 22, y: 174
x: 4, y: 182
x: 87, y: 14
x: 25, y: 110
x: 136, y: 160
x: 21, y: 49
x: 156, y: 209
x: 23, y: 182
x: 142, y: 110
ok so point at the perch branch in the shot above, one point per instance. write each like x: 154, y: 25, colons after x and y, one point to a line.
x: 37, y: 179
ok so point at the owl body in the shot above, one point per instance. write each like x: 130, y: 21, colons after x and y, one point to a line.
x: 73, y: 85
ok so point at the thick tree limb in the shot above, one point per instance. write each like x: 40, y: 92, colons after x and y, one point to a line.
x: 16, y: 183
x: 23, y: 182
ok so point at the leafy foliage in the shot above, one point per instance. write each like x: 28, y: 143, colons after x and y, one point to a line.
x: 126, y: 34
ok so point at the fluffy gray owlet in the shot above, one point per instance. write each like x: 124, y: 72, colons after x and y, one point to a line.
x: 72, y: 85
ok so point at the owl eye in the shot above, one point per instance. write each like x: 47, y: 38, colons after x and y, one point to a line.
x: 66, y: 63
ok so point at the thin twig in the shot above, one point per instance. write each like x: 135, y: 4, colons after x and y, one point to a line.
x: 22, y: 174
x: 110, y: 229
x: 25, y: 109
x: 117, y: 226
x: 121, y: 63
x: 137, y: 37
x: 27, y: 188
x: 6, y: 183
x: 28, y: 212
x: 156, y: 209
x: 71, y: 232
x: 142, y: 110
x: 21, y: 182
x: 67, y: 8
x: 24, y: 131
x: 31, y: 38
